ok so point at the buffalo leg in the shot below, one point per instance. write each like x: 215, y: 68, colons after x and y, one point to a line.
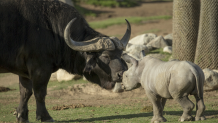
x: 25, y: 85
x: 40, y: 81
x: 187, y: 106
x: 200, y: 107
x: 157, y: 107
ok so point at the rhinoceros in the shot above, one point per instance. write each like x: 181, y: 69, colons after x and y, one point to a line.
x: 167, y: 80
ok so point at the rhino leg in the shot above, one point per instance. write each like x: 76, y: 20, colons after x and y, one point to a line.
x: 40, y: 81
x: 200, y: 107
x: 25, y: 86
x: 163, y: 102
x: 157, y: 107
x: 187, y: 106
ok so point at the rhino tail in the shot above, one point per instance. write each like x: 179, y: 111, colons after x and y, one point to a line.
x: 199, y: 79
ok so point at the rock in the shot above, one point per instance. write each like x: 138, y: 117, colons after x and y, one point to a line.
x: 211, y: 79
x: 84, y: 78
x: 169, y: 39
x: 53, y: 76
x: 136, y: 50
x: 63, y: 75
x: 158, y: 42
x: 70, y: 2
x: 168, y: 49
x: 143, y: 39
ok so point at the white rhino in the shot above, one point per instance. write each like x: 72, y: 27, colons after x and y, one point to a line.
x: 167, y: 80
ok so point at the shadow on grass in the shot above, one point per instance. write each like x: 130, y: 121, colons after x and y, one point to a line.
x: 156, y: 1
x: 129, y: 116
x: 179, y: 113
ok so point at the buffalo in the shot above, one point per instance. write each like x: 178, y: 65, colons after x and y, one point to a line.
x: 37, y: 37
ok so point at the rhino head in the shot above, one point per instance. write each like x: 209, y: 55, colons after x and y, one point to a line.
x: 131, y: 77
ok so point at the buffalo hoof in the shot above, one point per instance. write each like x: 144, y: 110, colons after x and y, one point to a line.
x: 158, y: 119
x: 186, y: 118
x: 19, y: 118
x: 200, y: 118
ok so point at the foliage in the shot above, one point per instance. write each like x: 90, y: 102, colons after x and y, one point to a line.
x: 84, y: 11
x: 110, y: 3
x: 121, y: 20
x: 160, y: 51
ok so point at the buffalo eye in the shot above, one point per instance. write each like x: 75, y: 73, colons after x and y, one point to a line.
x: 105, y: 59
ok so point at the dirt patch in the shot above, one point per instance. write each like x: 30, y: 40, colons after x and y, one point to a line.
x: 4, y: 89
x: 92, y: 94
x: 73, y: 106
x: 8, y: 79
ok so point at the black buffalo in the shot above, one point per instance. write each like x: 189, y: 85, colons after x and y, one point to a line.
x: 37, y: 37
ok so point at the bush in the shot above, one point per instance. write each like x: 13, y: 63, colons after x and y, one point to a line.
x: 110, y: 3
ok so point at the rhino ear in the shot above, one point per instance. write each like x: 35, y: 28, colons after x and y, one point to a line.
x: 90, y: 62
x: 129, y: 59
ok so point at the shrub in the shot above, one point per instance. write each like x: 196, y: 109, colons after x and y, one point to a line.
x: 110, y: 3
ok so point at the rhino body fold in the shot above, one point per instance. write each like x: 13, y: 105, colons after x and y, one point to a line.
x: 167, y: 80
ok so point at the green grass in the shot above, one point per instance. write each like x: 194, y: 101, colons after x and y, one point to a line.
x: 121, y: 20
x: 84, y: 11
x: 160, y: 51
x: 112, y: 3
x: 111, y: 113
x: 131, y: 113
x: 151, y: 31
x: 161, y: 0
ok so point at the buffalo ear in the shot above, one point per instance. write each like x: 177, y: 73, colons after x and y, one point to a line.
x: 129, y: 59
x: 90, y: 62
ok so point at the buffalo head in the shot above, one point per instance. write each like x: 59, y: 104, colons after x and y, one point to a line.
x: 103, y: 57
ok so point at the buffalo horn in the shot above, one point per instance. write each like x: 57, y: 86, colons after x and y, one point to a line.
x: 93, y: 45
x: 127, y: 35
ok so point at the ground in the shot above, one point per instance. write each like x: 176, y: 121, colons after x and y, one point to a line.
x: 146, y: 9
x: 88, y: 94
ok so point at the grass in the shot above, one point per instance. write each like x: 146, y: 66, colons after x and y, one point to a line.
x: 151, y: 31
x: 111, y: 113
x: 112, y: 3
x: 84, y: 11
x: 121, y: 20
x: 160, y: 51
x: 131, y: 113
x: 161, y: 0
